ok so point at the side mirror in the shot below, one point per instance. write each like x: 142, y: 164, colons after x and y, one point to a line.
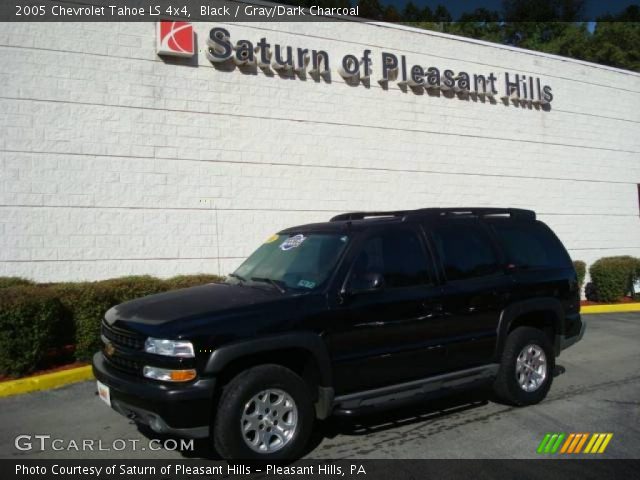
x: 367, y: 283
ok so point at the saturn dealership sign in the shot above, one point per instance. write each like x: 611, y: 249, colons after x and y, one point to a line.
x: 177, y: 39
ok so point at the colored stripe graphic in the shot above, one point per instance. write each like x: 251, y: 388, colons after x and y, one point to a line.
x: 592, y: 441
x: 581, y: 443
x: 603, y: 447
x: 598, y: 443
x: 556, y: 445
x: 573, y: 443
x: 576, y: 440
x: 550, y: 443
x: 568, y: 442
x: 543, y: 443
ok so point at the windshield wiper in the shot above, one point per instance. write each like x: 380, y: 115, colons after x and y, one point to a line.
x: 270, y: 281
x: 238, y: 277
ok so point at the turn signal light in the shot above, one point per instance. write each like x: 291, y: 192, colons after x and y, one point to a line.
x: 166, y: 375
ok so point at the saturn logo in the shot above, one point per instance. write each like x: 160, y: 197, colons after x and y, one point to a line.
x: 175, y: 39
x: 109, y: 349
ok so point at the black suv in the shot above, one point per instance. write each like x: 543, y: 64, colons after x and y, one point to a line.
x: 365, y: 311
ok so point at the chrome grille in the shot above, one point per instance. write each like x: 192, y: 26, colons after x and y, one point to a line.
x: 122, y: 341
x: 122, y: 338
x: 124, y: 364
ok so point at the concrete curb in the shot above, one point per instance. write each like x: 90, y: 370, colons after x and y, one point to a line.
x: 74, y: 375
x: 619, y: 307
x: 46, y: 381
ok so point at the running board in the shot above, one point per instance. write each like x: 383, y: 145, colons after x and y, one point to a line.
x: 435, y: 386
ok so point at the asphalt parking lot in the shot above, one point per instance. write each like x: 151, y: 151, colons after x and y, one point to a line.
x: 599, y: 392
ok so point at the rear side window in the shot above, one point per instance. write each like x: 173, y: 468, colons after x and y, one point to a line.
x: 396, y: 254
x: 530, y: 245
x: 465, y: 250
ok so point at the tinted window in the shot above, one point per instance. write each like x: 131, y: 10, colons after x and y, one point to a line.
x: 530, y: 244
x: 397, y: 255
x: 465, y: 250
x: 300, y: 261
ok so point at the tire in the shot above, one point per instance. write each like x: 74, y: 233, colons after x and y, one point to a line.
x: 243, y: 403
x: 507, y: 385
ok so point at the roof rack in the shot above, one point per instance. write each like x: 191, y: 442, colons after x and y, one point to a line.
x: 435, y: 212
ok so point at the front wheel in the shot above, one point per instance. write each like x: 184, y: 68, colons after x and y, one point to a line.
x: 526, y: 369
x: 264, y: 413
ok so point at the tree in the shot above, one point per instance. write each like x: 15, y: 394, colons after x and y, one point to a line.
x: 391, y: 14
x: 411, y: 13
x: 371, y: 9
x: 552, y: 26
x: 616, y: 43
x: 531, y: 24
x: 482, y: 24
x: 441, y: 14
x: 427, y: 15
x: 543, y: 10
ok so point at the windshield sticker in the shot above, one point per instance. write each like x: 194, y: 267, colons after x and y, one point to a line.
x: 292, y: 242
x: 272, y: 238
x: 306, y: 284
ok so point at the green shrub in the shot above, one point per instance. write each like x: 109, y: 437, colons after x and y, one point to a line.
x: 70, y: 295
x: 612, y: 276
x: 581, y: 271
x: 80, y: 308
x: 129, y: 288
x: 6, y: 282
x: 186, y: 281
x: 88, y: 310
x: 28, y: 316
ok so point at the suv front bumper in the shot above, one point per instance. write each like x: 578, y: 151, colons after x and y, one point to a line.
x: 179, y: 409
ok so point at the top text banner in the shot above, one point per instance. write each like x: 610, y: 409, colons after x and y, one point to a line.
x: 154, y: 10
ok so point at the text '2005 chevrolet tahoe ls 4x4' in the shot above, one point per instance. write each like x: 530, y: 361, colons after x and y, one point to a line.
x: 362, y: 312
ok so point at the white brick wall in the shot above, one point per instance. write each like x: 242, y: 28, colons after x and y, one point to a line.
x: 115, y: 162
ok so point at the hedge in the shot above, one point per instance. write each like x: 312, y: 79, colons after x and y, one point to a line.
x: 6, y: 282
x: 581, y: 270
x: 612, y: 277
x: 28, y: 316
x: 57, y: 314
x: 186, y: 281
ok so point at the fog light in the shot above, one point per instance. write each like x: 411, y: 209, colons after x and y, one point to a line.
x: 166, y: 375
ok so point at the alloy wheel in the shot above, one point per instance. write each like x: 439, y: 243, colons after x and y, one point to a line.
x: 269, y: 421
x: 531, y: 368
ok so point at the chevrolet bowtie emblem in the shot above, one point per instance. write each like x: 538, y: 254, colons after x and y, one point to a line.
x: 109, y: 349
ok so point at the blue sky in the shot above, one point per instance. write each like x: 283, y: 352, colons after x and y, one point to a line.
x: 593, y: 8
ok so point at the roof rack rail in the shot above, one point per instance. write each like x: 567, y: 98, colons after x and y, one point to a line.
x: 476, y: 211
x: 363, y: 215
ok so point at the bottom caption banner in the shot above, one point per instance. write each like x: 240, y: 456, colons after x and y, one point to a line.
x: 546, y: 469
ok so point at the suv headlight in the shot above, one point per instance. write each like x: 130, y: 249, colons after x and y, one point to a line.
x: 170, y: 348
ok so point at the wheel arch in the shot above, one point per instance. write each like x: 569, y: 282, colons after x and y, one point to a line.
x: 304, y: 353
x: 545, y: 313
x: 308, y: 346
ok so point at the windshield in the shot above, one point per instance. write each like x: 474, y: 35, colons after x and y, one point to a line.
x: 293, y: 262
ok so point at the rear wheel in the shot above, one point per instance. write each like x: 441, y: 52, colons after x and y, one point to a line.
x: 526, y: 369
x: 266, y: 413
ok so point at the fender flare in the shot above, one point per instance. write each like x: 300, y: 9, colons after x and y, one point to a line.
x: 308, y: 341
x: 515, y: 310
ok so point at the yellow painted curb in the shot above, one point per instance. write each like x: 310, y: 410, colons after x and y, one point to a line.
x: 620, y: 307
x: 46, y: 381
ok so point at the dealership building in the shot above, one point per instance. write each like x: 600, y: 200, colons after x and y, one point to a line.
x: 147, y: 148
